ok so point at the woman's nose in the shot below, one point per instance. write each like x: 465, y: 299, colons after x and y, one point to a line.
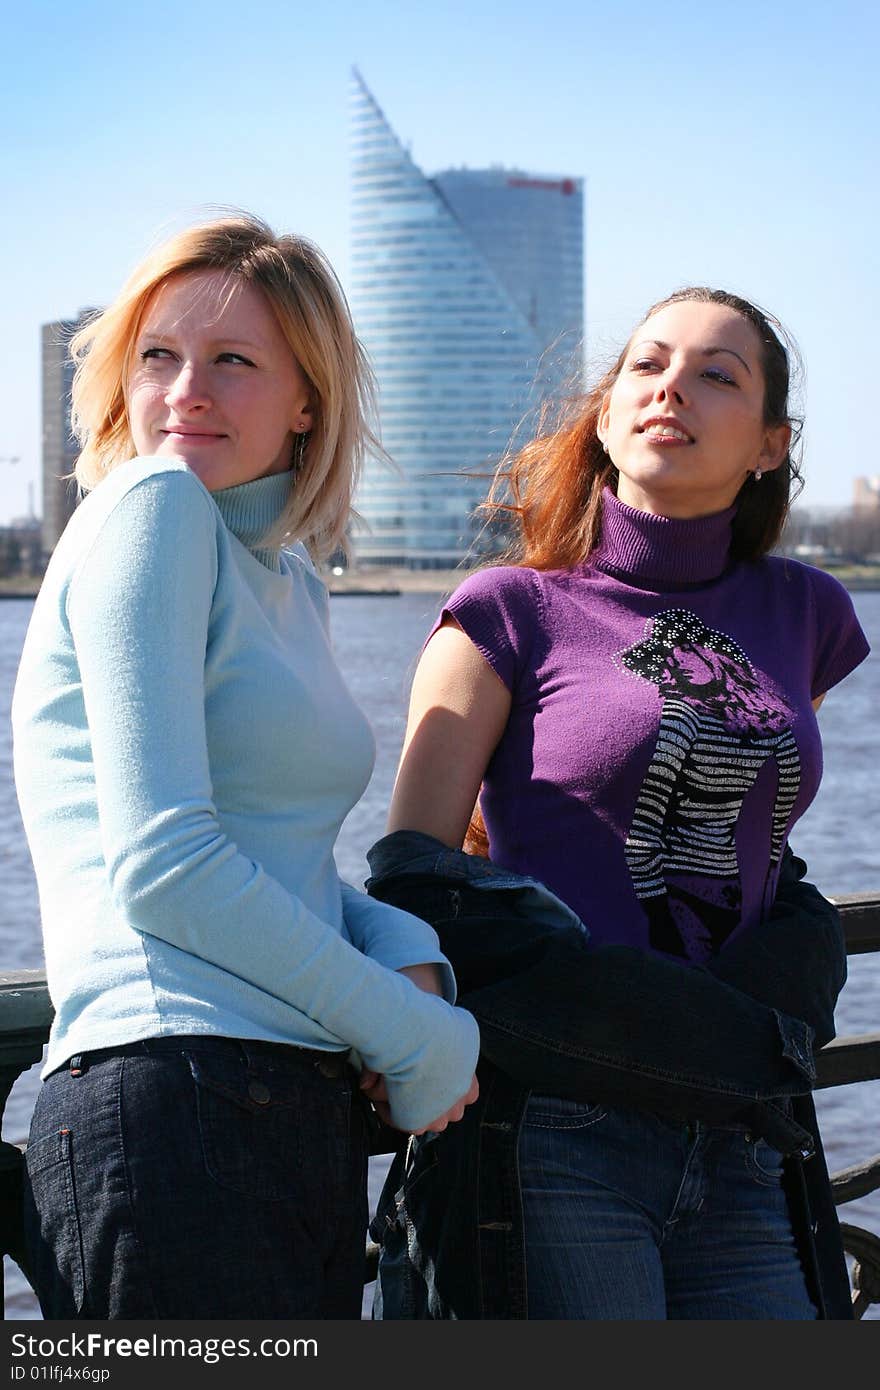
x: 188, y: 390
x: 670, y: 385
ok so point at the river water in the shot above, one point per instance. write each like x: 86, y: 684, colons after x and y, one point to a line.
x: 377, y: 640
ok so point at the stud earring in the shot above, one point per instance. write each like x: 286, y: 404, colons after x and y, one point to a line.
x: 758, y: 474
x: 604, y: 446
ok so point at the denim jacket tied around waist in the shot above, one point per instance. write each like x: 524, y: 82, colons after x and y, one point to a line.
x: 611, y: 1024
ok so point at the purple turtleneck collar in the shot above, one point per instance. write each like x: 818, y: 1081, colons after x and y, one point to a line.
x: 661, y: 551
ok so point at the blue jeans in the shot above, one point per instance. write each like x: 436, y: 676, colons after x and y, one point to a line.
x: 630, y: 1216
x: 198, y: 1177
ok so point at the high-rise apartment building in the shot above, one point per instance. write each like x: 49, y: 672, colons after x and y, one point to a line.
x: 866, y: 494
x: 466, y: 289
x: 60, y: 449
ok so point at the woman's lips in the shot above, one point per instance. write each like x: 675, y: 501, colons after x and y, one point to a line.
x: 665, y: 430
x: 192, y: 436
x: 667, y: 441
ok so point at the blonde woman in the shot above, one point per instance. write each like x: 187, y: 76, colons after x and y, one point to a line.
x: 185, y: 753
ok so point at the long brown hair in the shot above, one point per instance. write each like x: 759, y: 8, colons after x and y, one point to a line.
x: 550, y: 492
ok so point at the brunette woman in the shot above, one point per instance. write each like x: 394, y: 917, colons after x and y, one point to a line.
x: 633, y: 701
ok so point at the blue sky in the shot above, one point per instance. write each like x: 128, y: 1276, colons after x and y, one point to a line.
x: 732, y: 145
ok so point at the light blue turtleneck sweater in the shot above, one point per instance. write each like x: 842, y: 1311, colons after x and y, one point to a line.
x: 185, y: 752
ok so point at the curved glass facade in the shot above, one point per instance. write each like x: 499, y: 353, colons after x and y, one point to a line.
x: 466, y: 289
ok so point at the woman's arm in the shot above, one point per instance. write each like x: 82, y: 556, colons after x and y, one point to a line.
x: 455, y: 704
x: 457, y: 713
x: 398, y: 940
x: 139, y: 612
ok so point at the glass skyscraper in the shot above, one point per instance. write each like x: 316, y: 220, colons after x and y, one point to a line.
x: 60, y: 449
x: 466, y: 289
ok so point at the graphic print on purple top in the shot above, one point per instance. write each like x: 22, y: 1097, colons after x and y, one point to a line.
x: 561, y: 792
x: 721, y: 721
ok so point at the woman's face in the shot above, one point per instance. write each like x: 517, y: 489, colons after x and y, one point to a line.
x: 214, y: 382
x: 685, y: 672
x: 684, y: 422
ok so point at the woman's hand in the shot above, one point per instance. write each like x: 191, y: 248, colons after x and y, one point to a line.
x: 427, y: 978
x: 455, y: 1112
x: 373, y: 1087
x: 372, y: 1083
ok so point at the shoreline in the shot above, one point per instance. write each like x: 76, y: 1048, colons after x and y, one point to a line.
x: 378, y: 583
x: 392, y: 582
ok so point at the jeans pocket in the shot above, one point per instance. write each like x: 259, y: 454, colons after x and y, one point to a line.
x: 763, y: 1162
x: 556, y: 1112
x: 251, y: 1124
x: 52, y: 1225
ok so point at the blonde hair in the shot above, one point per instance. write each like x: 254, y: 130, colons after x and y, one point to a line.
x: 310, y: 306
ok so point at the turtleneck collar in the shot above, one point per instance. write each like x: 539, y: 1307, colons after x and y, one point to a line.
x: 252, y: 509
x: 661, y: 551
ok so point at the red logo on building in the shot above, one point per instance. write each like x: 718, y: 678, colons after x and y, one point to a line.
x: 566, y: 186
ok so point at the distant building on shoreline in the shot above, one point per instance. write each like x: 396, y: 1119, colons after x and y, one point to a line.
x: 866, y: 494
x: 21, y: 548
x: 60, y: 449
x: 467, y: 291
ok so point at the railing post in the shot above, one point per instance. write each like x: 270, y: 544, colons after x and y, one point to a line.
x: 26, y: 1018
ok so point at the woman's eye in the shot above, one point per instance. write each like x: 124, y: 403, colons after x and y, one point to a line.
x: 716, y: 374
x: 644, y: 364
x: 234, y: 357
x: 155, y: 353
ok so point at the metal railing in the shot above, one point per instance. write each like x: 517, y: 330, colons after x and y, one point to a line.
x: 26, y: 1014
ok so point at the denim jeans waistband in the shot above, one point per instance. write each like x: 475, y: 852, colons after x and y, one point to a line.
x: 333, y: 1065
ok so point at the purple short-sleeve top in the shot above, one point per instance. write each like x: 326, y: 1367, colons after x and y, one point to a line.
x: 662, y: 740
